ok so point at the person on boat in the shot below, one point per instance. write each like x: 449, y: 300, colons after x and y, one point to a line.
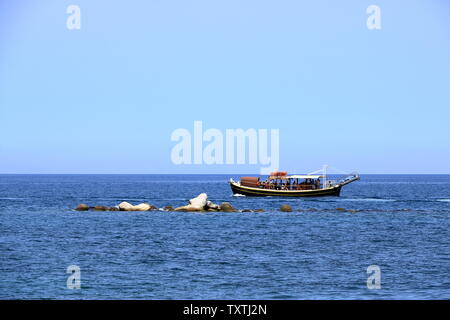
x: 307, y: 184
x: 318, y: 183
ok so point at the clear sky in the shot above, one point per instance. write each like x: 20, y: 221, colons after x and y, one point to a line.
x: 106, y: 98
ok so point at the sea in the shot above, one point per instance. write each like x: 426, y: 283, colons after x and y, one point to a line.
x: 385, y: 237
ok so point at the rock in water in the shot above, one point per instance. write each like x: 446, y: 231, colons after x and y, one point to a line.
x: 142, y: 207
x: 100, y: 208
x: 125, y: 206
x: 340, y: 209
x: 211, y: 205
x: 286, y: 208
x: 82, y: 207
x: 196, y: 204
x: 168, y: 208
x: 227, y: 207
x: 199, y: 201
x: 186, y: 208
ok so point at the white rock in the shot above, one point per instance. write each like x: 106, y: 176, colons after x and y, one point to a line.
x: 142, y: 207
x: 125, y: 206
x: 199, y: 201
x: 196, y: 204
x: 212, y: 205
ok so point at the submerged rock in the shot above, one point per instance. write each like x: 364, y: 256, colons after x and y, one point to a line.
x: 100, y: 208
x: 286, y: 208
x: 340, y: 209
x: 258, y: 210
x: 82, y: 207
x: 168, y: 208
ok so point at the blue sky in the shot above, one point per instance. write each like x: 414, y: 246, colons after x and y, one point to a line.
x: 106, y: 98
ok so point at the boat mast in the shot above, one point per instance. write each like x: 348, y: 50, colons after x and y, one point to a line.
x: 324, y: 169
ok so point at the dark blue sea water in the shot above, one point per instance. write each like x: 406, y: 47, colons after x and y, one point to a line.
x: 401, y: 225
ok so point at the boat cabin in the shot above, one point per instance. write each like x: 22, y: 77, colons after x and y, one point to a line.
x: 280, y: 180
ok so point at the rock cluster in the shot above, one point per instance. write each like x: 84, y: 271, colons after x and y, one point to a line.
x: 123, y: 206
x: 197, y: 204
x: 201, y: 203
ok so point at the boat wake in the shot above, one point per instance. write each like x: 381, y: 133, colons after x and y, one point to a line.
x: 372, y: 199
x: 357, y: 200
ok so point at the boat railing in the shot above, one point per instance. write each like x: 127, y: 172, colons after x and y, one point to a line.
x: 336, y: 182
x: 331, y: 183
x: 350, y: 178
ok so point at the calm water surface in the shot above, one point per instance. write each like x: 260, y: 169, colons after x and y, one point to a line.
x: 401, y: 224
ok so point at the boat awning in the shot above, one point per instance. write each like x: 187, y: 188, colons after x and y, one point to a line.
x: 304, y: 176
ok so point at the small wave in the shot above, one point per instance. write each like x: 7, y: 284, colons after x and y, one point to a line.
x: 443, y: 200
x: 121, y: 199
x: 12, y: 198
x: 238, y: 195
x: 369, y: 199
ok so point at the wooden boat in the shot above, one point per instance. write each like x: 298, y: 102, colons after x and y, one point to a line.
x: 280, y: 184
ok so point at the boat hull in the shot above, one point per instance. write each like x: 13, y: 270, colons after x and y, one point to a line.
x: 259, y: 192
